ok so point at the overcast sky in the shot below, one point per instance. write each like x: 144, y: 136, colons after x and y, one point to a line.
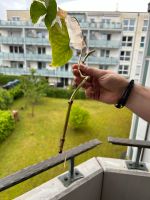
x: 80, y: 5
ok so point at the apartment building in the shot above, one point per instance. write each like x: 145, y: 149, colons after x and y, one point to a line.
x: 117, y: 37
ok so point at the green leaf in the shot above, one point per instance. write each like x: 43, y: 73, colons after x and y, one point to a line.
x: 59, y: 39
x: 37, y: 10
x: 51, y: 13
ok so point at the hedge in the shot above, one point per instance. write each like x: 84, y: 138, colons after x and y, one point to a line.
x: 6, y: 78
x: 7, y: 124
x: 6, y: 99
x: 16, y: 92
x: 64, y: 93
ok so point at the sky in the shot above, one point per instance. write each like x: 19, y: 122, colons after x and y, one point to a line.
x: 80, y: 5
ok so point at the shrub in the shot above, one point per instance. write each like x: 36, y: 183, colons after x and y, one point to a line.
x: 16, y: 92
x: 64, y: 93
x: 78, y: 117
x: 6, y: 99
x: 6, y: 78
x: 7, y: 124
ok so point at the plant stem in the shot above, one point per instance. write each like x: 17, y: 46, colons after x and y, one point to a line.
x: 70, y: 102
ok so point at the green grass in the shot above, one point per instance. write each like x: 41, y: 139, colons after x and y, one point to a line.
x: 37, y: 138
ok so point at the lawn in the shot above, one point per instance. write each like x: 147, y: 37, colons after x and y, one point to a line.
x: 37, y: 138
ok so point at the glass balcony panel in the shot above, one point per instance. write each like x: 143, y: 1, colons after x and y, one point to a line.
x: 103, y: 60
x: 11, y: 40
x: 105, y: 43
x: 35, y: 41
x: 42, y: 72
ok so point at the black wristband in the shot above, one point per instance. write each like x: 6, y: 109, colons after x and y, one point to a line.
x: 123, y: 100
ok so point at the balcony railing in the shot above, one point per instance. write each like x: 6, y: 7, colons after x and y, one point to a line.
x: 35, y: 41
x: 21, y: 40
x: 40, y: 72
x: 28, y: 56
x: 11, y: 40
x: 44, y: 41
x: 84, y: 25
x: 103, y: 60
x: 105, y: 43
x: 21, y: 24
x: 48, y: 58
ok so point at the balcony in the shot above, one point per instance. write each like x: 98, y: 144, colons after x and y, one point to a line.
x: 42, y: 72
x: 20, y: 24
x: 38, y: 57
x: 103, y: 60
x: 11, y: 40
x: 36, y: 41
x: 113, y: 26
x: 96, y: 179
x: 12, y: 56
x: 27, y: 41
x: 112, y: 44
x: 22, y: 57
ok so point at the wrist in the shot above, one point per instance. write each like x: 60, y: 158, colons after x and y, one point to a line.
x: 125, y: 96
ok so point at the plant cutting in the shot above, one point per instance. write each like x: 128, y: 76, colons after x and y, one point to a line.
x: 64, y: 35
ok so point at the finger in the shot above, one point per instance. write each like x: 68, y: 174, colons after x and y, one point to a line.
x: 76, y: 72
x: 90, y: 71
x: 89, y: 92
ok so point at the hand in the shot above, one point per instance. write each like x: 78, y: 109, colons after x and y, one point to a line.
x: 103, y: 85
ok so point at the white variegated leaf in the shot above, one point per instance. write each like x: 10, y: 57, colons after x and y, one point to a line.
x: 75, y: 33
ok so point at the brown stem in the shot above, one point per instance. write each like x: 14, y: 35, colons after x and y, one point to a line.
x: 70, y: 102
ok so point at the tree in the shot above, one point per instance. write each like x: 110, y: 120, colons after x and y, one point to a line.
x: 33, y: 88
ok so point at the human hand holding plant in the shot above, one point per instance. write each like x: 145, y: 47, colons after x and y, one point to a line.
x: 103, y: 85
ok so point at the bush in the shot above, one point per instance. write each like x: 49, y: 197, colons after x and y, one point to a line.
x: 64, y: 93
x: 6, y: 99
x: 6, y: 78
x: 78, y: 117
x: 7, y: 124
x: 16, y: 92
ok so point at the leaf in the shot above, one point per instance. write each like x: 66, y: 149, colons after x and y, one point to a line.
x: 51, y: 13
x: 37, y: 10
x: 59, y: 39
x: 75, y: 33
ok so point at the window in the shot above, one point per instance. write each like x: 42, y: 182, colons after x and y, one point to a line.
x: 103, y: 67
x: 66, y: 67
x: 106, y: 20
x: 94, y: 35
x: 128, y: 24
x: 123, y: 69
x: 145, y: 25
x: 105, y: 53
x: 11, y: 49
x: 127, y: 41
x: 41, y: 50
x: 142, y: 41
x: 108, y: 37
x: 125, y: 55
x: 15, y: 18
x: 20, y: 65
x: 16, y: 49
x: 138, y: 70
x: 41, y: 65
x: 15, y: 64
x: 21, y: 49
x: 140, y: 57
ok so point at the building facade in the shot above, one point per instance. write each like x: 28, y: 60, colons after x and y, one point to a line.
x: 117, y: 37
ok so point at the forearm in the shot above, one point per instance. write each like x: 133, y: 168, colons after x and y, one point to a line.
x: 139, y: 101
